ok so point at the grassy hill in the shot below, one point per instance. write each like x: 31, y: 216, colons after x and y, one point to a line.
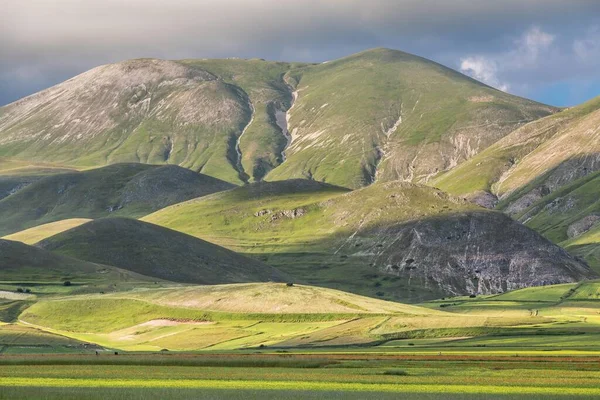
x: 395, y: 240
x: 21, y: 264
x: 385, y: 115
x: 227, y: 317
x: 239, y: 316
x: 532, y: 161
x: 121, y: 189
x: 40, y: 232
x: 545, y: 175
x: 158, y: 252
x: 380, y: 114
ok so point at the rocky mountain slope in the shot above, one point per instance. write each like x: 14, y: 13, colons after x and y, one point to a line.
x: 154, y: 251
x: 120, y: 189
x: 377, y: 115
x: 544, y: 174
x: 395, y: 240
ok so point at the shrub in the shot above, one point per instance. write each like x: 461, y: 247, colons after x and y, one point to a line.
x: 67, y: 283
x: 289, y: 284
x: 19, y: 290
x: 395, y: 372
x: 28, y: 290
x: 472, y: 296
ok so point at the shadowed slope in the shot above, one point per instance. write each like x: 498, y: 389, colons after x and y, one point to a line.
x: 394, y: 240
x: 120, y: 189
x: 155, y: 251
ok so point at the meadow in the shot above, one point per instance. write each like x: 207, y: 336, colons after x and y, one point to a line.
x: 295, y: 376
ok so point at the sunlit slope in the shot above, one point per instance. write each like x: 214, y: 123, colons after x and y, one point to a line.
x: 158, y: 252
x: 276, y: 315
x: 385, y: 115
x: 40, y: 232
x: 146, y: 110
x: 380, y: 114
x: 270, y: 95
x: 120, y: 189
x: 394, y: 240
x: 226, y: 317
x: 532, y: 161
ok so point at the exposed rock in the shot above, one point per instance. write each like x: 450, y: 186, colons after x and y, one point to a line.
x: 526, y: 201
x: 291, y: 214
x: 582, y: 226
x: 262, y: 212
x: 484, y: 199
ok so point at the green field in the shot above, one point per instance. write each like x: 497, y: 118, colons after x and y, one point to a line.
x: 298, y: 376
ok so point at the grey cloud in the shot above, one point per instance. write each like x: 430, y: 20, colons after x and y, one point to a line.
x: 42, y: 42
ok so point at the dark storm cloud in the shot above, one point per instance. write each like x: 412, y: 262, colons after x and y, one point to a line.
x: 43, y: 42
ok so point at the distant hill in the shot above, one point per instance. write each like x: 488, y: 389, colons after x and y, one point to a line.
x: 377, y: 115
x: 394, y: 240
x: 545, y: 174
x: 121, y: 189
x: 159, y: 252
x: 22, y: 263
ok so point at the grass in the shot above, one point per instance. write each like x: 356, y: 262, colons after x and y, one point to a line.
x: 287, y: 376
x: 40, y: 232
x: 157, y: 252
x: 118, y: 190
x: 276, y: 316
x: 346, y: 106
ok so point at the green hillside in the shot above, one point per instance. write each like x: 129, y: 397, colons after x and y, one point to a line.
x: 121, y: 189
x: 532, y: 161
x: 21, y: 264
x: 385, y: 115
x: 158, y: 252
x: 395, y: 240
x: 380, y: 114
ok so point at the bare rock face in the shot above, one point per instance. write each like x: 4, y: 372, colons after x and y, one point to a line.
x: 583, y: 225
x: 484, y: 199
x: 466, y: 253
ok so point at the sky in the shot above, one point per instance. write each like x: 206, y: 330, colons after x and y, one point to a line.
x: 546, y: 50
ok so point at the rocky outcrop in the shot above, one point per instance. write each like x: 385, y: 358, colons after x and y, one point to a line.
x: 583, y: 225
x: 466, y: 253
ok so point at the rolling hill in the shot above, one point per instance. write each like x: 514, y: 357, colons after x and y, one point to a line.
x: 394, y: 240
x: 158, y: 252
x: 23, y: 263
x: 121, y: 189
x: 376, y: 115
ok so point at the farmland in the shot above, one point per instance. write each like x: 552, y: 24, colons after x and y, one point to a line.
x: 323, y: 375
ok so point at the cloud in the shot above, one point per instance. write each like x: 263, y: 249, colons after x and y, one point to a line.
x: 63, y: 37
x: 484, y: 70
x: 528, y: 52
x: 587, y: 48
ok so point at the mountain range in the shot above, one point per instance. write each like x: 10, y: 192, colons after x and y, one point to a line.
x: 382, y: 173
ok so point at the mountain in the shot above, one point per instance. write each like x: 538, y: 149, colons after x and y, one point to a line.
x: 377, y: 115
x: 121, y: 189
x: 545, y: 175
x: 532, y: 161
x: 158, y: 252
x: 22, y: 263
x: 395, y: 240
